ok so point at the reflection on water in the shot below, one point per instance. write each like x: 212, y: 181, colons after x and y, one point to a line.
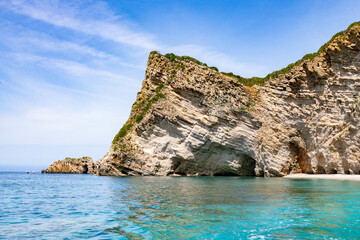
x: 84, y: 206
x: 235, y: 207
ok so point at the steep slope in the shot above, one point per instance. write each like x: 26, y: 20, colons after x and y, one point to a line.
x: 189, y: 119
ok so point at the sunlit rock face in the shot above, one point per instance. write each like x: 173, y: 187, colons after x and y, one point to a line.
x: 72, y: 165
x: 191, y: 120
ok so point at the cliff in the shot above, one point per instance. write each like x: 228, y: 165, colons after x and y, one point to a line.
x: 72, y: 165
x: 189, y: 119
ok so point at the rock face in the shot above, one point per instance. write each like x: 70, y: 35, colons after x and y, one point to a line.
x: 72, y: 165
x: 191, y: 120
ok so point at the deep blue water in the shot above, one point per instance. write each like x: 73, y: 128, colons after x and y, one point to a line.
x: 60, y: 206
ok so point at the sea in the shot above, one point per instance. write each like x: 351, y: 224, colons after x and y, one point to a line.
x: 64, y: 206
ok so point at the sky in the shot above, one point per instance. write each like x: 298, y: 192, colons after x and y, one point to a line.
x: 70, y: 70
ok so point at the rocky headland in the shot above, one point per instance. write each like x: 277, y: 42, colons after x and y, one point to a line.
x: 189, y: 119
x: 82, y: 165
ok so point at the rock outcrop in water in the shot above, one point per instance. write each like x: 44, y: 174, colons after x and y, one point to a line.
x: 82, y: 165
x: 189, y: 119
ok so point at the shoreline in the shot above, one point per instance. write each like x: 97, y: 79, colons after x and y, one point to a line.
x: 324, y: 176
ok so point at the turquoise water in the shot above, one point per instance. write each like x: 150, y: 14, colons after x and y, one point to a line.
x: 85, y: 206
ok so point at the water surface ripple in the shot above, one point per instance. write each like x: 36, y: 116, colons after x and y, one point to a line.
x: 56, y: 206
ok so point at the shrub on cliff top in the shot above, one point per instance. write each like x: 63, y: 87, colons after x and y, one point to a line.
x: 170, y: 56
x: 214, y: 68
x: 191, y: 59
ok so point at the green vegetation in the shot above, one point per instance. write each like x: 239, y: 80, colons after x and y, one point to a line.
x: 247, y: 106
x: 123, y: 147
x: 123, y: 131
x: 287, y: 69
x: 190, y: 59
x: 170, y: 56
x: 321, y: 49
x: 141, y: 109
x: 214, y: 68
x: 182, y: 67
x: 341, y: 33
x: 159, y: 87
x: 153, y: 100
x: 275, y: 74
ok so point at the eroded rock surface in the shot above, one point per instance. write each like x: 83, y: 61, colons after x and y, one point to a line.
x: 72, y: 165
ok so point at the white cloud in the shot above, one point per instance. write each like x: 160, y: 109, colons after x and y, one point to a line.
x: 82, y: 71
x: 80, y: 18
x: 22, y: 39
x: 63, y: 46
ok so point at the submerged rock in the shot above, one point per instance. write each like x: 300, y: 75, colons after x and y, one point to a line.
x: 82, y: 165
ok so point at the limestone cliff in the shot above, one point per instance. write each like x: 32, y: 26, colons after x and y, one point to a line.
x: 72, y: 165
x: 189, y: 119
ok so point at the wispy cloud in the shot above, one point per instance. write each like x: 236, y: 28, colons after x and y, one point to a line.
x: 19, y: 38
x: 74, y: 68
x: 109, y: 26
x: 77, y: 18
x: 62, y: 46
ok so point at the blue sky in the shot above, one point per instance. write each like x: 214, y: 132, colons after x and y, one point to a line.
x: 70, y: 70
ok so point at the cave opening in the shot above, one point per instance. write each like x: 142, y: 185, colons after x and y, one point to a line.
x: 85, y: 168
x: 183, y: 167
x: 247, y: 168
x: 226, y: 173
x: 320, y: 170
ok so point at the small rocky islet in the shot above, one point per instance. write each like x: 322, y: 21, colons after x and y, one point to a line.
x: 189, y: 119
x: 82, y: 165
